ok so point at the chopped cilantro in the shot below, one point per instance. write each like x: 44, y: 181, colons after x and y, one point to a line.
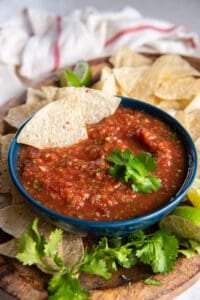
x: 66, y: 287
x: 135, y: 169
x: 159, y: 250
x: 189, y: 247
x: 174, y: 135
x: 152, y: 281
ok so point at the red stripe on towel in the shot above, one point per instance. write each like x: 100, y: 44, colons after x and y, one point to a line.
x: 56, y: 48
x: 137, y: 29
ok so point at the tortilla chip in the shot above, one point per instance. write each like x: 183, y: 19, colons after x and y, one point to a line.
x: 73, y: 249
x: 16, y: 196
x: 5, y: 141
x: 19, y: 114
x: 192, y: 124
x: 175, y: 105
x: 176, y: 88
x: 107, y: 83
x: 5, y: 199
x: 95, y: 105
x: 98, y: 85
x: 193, y: 105
x: 58, y: 124
x: 125, y: 57
x: 9, y: 248
x: 143, y: 89
x: 34, y: 96
x: 5, y: 180
x: 106, y: 71
x: 172, y: 66
x: 180, y: 115
x: 166, y: 67
x: 50, y: 92
x: 15, y: 219
x: 127, y: 78
x: 190, y: 121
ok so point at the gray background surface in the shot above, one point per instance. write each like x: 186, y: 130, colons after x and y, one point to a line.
x: 180, y: 12
x: 186, y: 12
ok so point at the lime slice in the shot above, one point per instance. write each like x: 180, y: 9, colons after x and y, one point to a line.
x: 83, y: 72
x: 184, y: 222
x: 69, y: 78
x: 194, y: 193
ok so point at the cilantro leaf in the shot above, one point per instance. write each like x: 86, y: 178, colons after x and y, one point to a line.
x: 134, y: 169
x: 159, y: 250
x: 54, y: 238
x: 96, y: 265
x: 30, y: 246
x: 27, y: 251
x: 147, y: 185
x: 189, y: 247
x: 65, y: 287
x: 119, y: 157
x: 103, y: 259
x: 34, y: 249
x: 152, y: 281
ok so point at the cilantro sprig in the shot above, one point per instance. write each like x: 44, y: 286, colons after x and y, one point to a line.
x: 134, y: 169
x: 159, y: 250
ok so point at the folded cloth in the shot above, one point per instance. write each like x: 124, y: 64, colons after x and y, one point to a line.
x: 37, y: 43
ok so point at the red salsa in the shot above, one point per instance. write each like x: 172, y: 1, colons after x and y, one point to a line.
x: 74, y: 180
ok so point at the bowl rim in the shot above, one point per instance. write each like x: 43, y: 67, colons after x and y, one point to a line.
x: 135, y: 104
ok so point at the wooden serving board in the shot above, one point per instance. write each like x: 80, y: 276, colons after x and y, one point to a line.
x: 28, y: 283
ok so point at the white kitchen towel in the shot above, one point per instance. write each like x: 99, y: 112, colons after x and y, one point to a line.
x: 35, y: 43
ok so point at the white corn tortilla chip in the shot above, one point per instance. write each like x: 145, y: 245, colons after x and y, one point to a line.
x: 5, y: 180
x: 50, y: 92
x: 176, y: 89
x: 16, y: 219
x: 16, y: 196
x: 125, y: 57
x: 19, y: 114
x: 127, y: 78
x: 95, y: 105
x: 5, y: 141
x: 34, y: 96
x: 192, y: 123
x: 107, y: 83
x: 58, y: 124
x: 9, y: 248
x: 194, y: 105
x: 5, y: 199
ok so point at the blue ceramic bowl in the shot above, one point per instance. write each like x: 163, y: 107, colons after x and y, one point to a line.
x: 115, y: 228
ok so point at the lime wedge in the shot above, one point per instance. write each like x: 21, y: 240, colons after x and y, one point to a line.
x: 83, y: 72
x: 189, y: 213
x: 69, y: 78
x: 194, y: 193
x: 184, y: 222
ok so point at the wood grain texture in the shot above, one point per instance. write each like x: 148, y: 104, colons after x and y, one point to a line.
x: 26, y: 283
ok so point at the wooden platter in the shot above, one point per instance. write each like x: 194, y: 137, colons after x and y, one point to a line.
x: 25, y: 283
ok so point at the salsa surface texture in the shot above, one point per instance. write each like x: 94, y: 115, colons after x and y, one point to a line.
x: 74, y: 181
